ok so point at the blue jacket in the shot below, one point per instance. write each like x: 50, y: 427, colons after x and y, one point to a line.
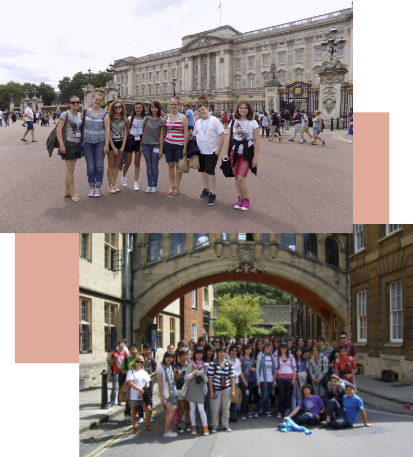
x: 291, y: 426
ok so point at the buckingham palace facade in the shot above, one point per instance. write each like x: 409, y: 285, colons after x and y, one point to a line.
x: 223, y: 65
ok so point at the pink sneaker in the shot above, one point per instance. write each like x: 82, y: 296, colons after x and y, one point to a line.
x: 239, y: 203
x: 245, y: 204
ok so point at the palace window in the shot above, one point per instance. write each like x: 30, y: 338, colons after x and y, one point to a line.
x: 201, y: 239
x: 390, y: 228
x: 299, y: 76
x: 172, y: 331
x: 226, y: 236
x: 265, y: 237
x: 165, y: 74
x: 205, y: 68
x: 299, y: 56
x: 215, y: 85
x: 332, y: 256
x: 238, y: 64
x: 173, y: 73
x: 237, y: 84
x: 159, y: 324
x: 154, y: 247
x: 300, y: 40
x: 362, y: 317
x: 165, y: 89
x: 251, y: 49
x: 137, y: 91
x: 340, y: 52
x: 251, y: 62
x: 150, y: 76
x: 265, y: 61
x: 193, y: 299
x: 157, y: 75
x: 196, y: 86
x: 110, y: 326
x: 143, y: 91
x: 157, y: 90
x: 178, y: 243
x: 111, y: 246
x: 265, y: 80
x: 194, y: 331
x: 215, y: 67
x: 319, y: 36
x: 358, y: 237
x: 205, y: 85
x: 150, y: 91
x: 137, y: 78
x: 251, y: 83
x: 310, y: 245
x: 85, y: 326
x: 396, y: 312
x: 86, y: 246
x: 282, y: 57
x: 318, y: 54
x: 196, y: 69
x: 266, y: 46
x: 143, y: 77
x: 281, y: 78
x: 288, y: 241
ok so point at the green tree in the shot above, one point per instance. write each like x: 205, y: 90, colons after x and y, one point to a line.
x: 65, y: 87
x: 242, y: 310
x: 8, y: 90
x: 267, y: 295
x: 224, y: 328
x: 47, y: 92
x: 279, y: 330
x: 100, y: 79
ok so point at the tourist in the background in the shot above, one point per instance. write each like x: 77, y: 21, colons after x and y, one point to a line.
x: 150, y: 367
x: 29, y: 119
x: 127, y: 364
x: 116, y: 360
x: 191, y: 119
x: 318, y: 369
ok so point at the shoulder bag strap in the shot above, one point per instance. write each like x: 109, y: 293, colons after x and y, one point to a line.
x: 231, y: 136
x: 83, y: 119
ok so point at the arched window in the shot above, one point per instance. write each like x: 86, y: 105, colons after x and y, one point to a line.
x: 288, y: 241
x: 265, y: 237
x: 178, y: 243
x: 201, y: 239
x: 310, y: 244
x: 154, y: 248
x: 332, y: 257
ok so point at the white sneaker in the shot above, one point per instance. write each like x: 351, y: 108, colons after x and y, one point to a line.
x: 92, y: 191
x: 153, y: 189
x: 135, y: 186
x: 97, y: 192
x: 123, y: 181
x: 140, y: 420
x: 171, y: 434
x: 148, y: 190
x: 115, y: 187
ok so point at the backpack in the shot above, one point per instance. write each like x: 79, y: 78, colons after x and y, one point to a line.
x: 52, y: 141
x: 310, y: 122
x: 276, y: 119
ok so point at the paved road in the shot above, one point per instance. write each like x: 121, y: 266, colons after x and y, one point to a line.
x: 391, y: 435
x: 299, y: 188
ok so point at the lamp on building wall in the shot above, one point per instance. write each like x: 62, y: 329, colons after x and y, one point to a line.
x: 174, y: 83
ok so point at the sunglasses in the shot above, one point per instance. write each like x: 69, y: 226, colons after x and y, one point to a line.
x: 234, y: 350
x: 139, y: 361
x: 268, y: 347
x: 75, y: 103
x: 217, y: 341
x: 343, y: 337
x: 183, y: 350
x: 118, y: 107
x: 191, y: 344
x: 328, y: 344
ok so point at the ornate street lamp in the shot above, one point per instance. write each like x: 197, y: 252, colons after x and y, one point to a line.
x: 58, y: 98
x: 111, y: 71
x: 174, y: 82
x: 332, y: 45
x: 89, y: 74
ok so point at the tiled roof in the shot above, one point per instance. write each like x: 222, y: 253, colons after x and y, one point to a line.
x: 272, y: 315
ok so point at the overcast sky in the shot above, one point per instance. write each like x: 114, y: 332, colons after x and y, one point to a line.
x: 58, y: 46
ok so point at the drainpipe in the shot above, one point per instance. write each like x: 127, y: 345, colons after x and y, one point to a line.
x: 126, y: 287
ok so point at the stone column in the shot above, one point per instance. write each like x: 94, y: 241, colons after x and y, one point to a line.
x: 258, y: 66
x: 227, y: 69
x: 131, y: 82
x: 11, y: 104
x: 217, y: 78
x: 190, y: 86
x: 308, y: 58
x: 199, y: 72
x: 331, y: 79
x: 40, y: 103
x: 183, y: 85
x: 289, y: 60
x: 244, y: 69
x: 209, y: 71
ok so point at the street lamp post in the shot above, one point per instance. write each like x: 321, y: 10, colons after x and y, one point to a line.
x: 58, y: 99
x: 174, y: 82
x: 298, y: 306
x: 332, y: 45
x: 89, y: 74
x: 111, y: 71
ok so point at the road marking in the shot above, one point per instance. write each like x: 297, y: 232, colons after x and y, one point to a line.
x: 120, y: 435
x: 384, y: 412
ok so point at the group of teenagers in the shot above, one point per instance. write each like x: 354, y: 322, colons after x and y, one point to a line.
x: 95, y: 133
x: 299, y: 381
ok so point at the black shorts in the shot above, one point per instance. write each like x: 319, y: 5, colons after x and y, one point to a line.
x: 118, y: 145
x: 207, y: 163
x: 132, y: 145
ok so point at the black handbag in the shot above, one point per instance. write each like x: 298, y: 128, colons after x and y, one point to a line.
x: 227, y: 168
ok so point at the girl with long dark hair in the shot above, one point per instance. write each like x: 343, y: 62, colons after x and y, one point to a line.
x: 117, y: 142
x: 286, y: 372
x: 167, y: 390
x: 246, y: 378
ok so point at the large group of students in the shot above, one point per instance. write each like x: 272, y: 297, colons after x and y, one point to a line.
x: 301, y: 382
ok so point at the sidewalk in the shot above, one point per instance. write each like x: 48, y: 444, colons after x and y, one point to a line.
x: 393, y: 391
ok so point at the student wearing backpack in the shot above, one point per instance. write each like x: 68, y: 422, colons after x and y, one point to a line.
x: 274, y: 123
x: 345, y: 366
x: 318, y: 369
x: 116, y: 360
x: 285, y: 376
x: 70, y: 144
x: 175, y: 144
x: 133, y: 143
x: 243, y: 148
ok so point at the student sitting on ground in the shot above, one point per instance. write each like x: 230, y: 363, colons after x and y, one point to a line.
x: 309, y: 408
x: 341, y: 416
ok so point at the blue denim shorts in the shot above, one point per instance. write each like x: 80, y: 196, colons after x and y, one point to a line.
x: 316, y: 130
x: 173, y: 152
x: 29, y: 125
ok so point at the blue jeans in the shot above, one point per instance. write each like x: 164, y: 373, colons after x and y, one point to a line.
x: 318, y: 389
x: 1, y: 122
x: 115, y: 387
x: 94, y: 160
x: 265, y: 395
x: 246, y: 398
x: 152, y: 162
x: 305, y: 418
x: 6, y: 120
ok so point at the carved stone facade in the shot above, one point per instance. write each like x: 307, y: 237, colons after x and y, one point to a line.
x: 223, y: 65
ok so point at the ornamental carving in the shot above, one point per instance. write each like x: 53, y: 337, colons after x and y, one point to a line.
x: 258, y: 251
x: 244, y: 50
x: 332, y: 78
x: 246, y: 266
x: 218, y: 249
x: 186, y: 65
x: 147, y: 276
x: 204, y: 42
x: 273, y: 44
x: 221, y: 60
x: 290, y: 42
x: 258, y: 47
x: 329, y: 99
x: 273, y: 251
x: 309, y: 38
x: 336, y: 278
x: 234, y: 250
x: 227, y: 51
x: 271, y: 103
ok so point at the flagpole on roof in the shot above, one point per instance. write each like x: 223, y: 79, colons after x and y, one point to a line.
x: 219, y: 8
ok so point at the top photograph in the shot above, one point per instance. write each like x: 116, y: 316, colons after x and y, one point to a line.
x: 192, y: 118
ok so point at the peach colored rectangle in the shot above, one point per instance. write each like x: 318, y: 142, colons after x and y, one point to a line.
x: 47, y: 297
x: 371, y: 173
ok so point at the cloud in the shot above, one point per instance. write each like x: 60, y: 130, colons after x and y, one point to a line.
x: 21, y: 74
x: 144, y: 8
x: 13, y: 51
x: 83, y: 55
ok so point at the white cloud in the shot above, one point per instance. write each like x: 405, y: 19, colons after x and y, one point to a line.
x: 13, y: 51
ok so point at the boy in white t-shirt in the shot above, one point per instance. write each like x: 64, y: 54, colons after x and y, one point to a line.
x: 29, y: 122
x: 210, y: 139
x: 304, y: 126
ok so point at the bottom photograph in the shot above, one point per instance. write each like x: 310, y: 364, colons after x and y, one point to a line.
x: 190, y: 336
